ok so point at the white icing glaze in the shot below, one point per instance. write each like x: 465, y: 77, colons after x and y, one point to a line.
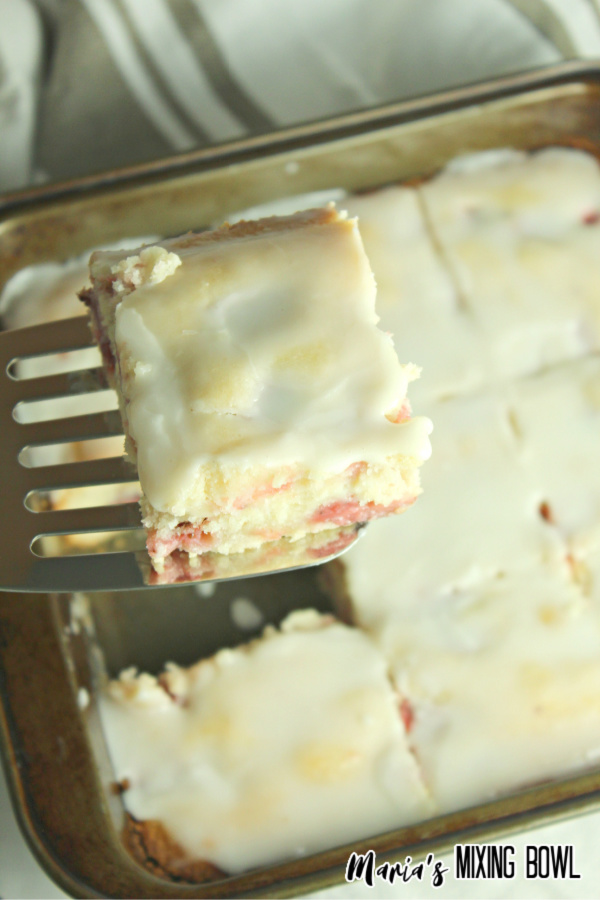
x: 83, y: 698
x: 263, y: 349
x: 205, y: 589
x: 275, y: 750
x: 493, y: 633
x: 557, y: 417
x: 245, y: 614
x: 504, y: 682
x: 512, y: 228
x: 471, y: 163
x: 416, y: 299
x: 478, y: 517
x: 490, y: 635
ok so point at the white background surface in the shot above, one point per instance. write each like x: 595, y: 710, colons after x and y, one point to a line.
x: 20, y: 45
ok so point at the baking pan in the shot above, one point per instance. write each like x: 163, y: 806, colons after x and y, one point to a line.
x: 57, y: 650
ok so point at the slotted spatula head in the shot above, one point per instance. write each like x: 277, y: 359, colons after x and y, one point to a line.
x: 31, y: 525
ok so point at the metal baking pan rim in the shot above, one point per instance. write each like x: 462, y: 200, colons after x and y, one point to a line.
x: 310, y: 134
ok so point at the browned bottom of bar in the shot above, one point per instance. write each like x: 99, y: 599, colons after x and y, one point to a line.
x: 152, y: 846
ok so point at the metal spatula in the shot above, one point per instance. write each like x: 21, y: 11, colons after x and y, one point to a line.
x: 29, y: 523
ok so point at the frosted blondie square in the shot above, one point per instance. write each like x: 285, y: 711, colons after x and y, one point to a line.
x: 260, y: 401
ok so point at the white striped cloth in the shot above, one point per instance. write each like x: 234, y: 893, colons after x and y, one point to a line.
x: 130, y: 80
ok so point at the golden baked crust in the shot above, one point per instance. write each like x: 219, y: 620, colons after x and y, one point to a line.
x: 251, y: 227
x: 150, y: 844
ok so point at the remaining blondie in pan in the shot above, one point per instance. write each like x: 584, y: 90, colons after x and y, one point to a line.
x: 276, y: 749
